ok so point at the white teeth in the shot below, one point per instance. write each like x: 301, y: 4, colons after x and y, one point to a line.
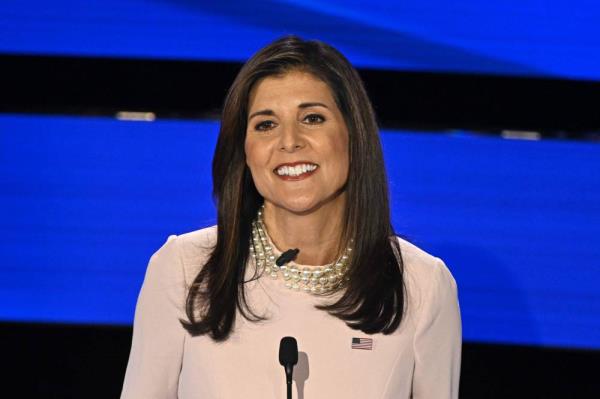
x: 295, y: 170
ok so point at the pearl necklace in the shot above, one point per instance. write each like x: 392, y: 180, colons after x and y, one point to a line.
x: 314, y: 280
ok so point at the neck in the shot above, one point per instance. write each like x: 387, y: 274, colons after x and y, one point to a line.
x: 317, y: 234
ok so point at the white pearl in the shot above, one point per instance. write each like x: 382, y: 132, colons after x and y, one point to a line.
x: 314, y: 280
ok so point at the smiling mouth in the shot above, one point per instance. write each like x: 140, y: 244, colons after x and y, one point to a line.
x: 295, y: 171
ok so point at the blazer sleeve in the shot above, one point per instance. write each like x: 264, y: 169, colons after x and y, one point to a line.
x: 438, y: 339
x: 158, y: 337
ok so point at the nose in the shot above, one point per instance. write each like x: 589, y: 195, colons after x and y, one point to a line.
x: 291, y: 139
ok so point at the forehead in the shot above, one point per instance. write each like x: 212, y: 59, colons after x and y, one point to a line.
x: 291, y: 87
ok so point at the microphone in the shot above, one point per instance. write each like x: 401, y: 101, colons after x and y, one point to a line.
x: 287, y: 256
x: 288, y: 357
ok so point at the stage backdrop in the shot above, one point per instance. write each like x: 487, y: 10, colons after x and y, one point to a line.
x: 556, y: 38
x: 84, y: 202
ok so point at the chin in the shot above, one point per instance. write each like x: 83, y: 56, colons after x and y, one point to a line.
x: 298, y: 207
x: 303, y: 205
x: 293, y: 204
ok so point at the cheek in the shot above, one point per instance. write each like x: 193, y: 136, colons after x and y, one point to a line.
x: 256, y: 159
x: 248, y: 149
x: 252, y: 156
x: 342, y: 157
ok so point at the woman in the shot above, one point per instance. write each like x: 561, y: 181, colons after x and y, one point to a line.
x: 298, y: 164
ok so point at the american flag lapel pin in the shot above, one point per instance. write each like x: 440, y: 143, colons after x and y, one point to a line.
x: 362, y: 343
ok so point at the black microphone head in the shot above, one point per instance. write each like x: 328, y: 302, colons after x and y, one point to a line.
x: 287, y: 256
x: 288, y: 351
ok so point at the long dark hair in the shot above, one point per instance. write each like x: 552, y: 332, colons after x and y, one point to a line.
x: 373, y: 300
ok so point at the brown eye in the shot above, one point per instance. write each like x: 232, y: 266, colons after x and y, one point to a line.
x: 314, y: 119
x: 264, y: 125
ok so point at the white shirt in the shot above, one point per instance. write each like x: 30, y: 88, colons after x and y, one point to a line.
x: 421, y: 359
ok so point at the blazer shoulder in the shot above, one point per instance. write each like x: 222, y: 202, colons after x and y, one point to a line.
x: 413, y: 254
x: 195, y: 249
x: 423, y: 270
x: 199, y: 238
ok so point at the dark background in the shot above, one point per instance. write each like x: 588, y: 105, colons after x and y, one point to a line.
x: 74, y: 361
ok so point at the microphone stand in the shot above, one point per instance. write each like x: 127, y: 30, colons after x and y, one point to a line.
x: 289, y: 387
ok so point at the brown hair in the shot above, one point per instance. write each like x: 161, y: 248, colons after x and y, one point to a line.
x: 373, y: 300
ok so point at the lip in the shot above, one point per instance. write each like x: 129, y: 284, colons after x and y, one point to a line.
x: 292, y: 164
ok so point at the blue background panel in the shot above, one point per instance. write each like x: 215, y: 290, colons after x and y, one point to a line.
x: 84, y: 202
x: 557, y: 38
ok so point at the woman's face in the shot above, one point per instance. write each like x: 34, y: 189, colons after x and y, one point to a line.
x: 296, y: 142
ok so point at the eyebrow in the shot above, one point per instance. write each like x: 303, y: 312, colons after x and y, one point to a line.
x: 302, y: 105
x: 314, y: 104
x: 263, y: 112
